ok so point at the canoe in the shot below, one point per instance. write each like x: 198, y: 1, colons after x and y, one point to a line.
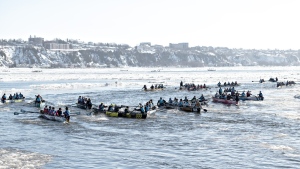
x: 53, y: 118
x: 190, y: 109
x: 81, y: 106
x: 13, y: 101
x: 96, y: 111
x: 229, y: 85
x: 255, y: 98
x: 223, y: 101
x: 193, y: 88
x: 137, y: 115
x: 157, y: 89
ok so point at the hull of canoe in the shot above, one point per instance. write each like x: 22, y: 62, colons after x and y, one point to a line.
x: 53, y: 118
x: 190, y: 109
x: 126, y: 115
x: 223, y: 101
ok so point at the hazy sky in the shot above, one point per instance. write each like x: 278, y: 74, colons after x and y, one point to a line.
x: 260, y: 24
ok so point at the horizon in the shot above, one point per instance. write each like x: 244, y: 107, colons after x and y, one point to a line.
x: 270, y: 24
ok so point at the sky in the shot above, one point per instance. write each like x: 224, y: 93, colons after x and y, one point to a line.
x: 248, y: 24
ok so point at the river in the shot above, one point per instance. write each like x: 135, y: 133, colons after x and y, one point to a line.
x: 254, y: 134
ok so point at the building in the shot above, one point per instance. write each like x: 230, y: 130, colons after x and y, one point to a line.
x: 36, y: 40
x: 54, y: 45
x: 179, y: 45
x: 145, y: 43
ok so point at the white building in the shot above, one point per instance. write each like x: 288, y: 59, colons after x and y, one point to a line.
x: 179, y: 45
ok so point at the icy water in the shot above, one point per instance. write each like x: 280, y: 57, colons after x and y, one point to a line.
x: 255, y: 134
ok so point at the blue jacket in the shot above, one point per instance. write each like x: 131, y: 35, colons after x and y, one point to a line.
x: 67, y: 113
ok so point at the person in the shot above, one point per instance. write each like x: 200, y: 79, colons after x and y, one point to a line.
x: 145, y: 87
x: 237, y: 99
x: 67, y: 114
x: 38, y: 99
x: 53, y: 112
x: 228, y: 97
x: 3, y: 97
x: 276, y: 79
x: 59, y: 112
x: 202, y: 98
x: 126, y: 110
x: 17, y: 96
x: 160, y: 102
x: 186, y: 104
x: 180, y: 104
x: 147, y: 107
x: 21, y: 96
x: 10, y: 97
x: 194, y: 99
x: 248, y: 93
x: 219, y: 84
x: 89, y: 103
x: 185, y: 99
x: 204, y: 86
x: 46, y: 109
x: 142, y: 109
x: 181, y: 84
x: 79, y: 100
x: 110, y: 107
x: 116, y: 108
x: 198, y: 106
x: 170, y: 101
x: 101, y: 107
x: 260, y: 96
x: 49, y: 110
x: 243, y: 94
x: 220, y: 91
x: 152, y: 87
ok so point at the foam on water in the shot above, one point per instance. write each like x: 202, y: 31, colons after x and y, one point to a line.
x: 13, y: 158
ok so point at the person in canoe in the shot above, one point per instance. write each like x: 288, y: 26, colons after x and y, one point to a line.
x: 248, y: 94
x: 126, y: 110
x: 46, y: 109
x: 80, y: 100
x: 170, y: 101
x: 67, y: 114
x: 161, y: 102
x: 145, y: 87
x: 237, y: 98
x: 180, y: 104
x: 59, y: 112
x: 101, y: 107
x: 10, y: 97
x: 3, y: 98
x: 220, y: 91
x: 260, y: 96
x: 219, y: 84
x: 152, y: 87
x: 201, y: 99
x: 142, y: 109
x: 111, y: 108
x: 21, y: 96
x: 194, y: 99
x: 89, y: 103
x: 198, y: 106
x: 116, y: 108
x: 243, y: 94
